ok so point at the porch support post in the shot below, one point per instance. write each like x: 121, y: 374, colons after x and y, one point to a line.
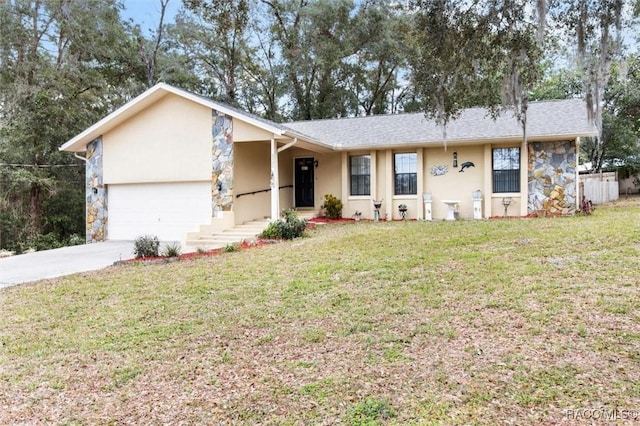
x: 275, y: 182
x: 420, y: 184
x: 579, y: 192
x: 389, y: 177
x: 488, y: 180
x: 524, y: 178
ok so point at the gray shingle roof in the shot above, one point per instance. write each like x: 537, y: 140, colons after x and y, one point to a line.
x: 562, y: 118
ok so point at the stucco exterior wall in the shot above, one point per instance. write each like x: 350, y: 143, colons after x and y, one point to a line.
x: 497, y: 208
x: 455, y: 184
x: 245, y: 132
x: 360, y: 203
x: 168, y: 142
x: 493, y: 204
x: 285, y: 166
x: 327, y: 177
x: 252, y: 173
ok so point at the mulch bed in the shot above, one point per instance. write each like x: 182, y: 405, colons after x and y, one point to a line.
x: 155, y: 260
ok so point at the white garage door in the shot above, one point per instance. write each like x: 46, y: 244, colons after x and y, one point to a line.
x: 167, y: 210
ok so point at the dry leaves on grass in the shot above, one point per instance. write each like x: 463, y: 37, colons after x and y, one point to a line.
x: 444, y: 323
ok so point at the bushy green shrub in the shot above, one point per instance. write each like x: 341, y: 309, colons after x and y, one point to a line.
x: 332, y: 206
x: 76, y: 240
x: 172, y: 250
x: 40, y: 242
x: 146, y: 246
x: 286, y: 229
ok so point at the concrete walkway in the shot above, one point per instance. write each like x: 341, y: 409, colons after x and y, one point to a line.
x: 63, y: 261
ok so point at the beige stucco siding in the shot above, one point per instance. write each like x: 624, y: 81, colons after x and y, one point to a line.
x: 515, y: 208
x: 454, y: 185
x: 252, y: 172
x: 493, y: 204
x: 285, y: 166
x: 245, y: 132
x: 359, y: 203
x: 327, y: 176
x: 168, y: 142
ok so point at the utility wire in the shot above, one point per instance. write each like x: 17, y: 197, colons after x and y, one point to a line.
x: 41, y: 166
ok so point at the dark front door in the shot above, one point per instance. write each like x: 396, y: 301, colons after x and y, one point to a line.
x: 304, y: 182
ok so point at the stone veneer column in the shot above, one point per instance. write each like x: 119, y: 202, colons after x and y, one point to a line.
x: 96, y: 194
x: 552, y: 177
x: 222, y: 163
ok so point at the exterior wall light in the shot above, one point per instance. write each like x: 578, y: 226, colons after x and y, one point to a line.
x: 455, y: 159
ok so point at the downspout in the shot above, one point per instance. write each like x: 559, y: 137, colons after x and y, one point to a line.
x: 75, y: 154
x: 289, y: 145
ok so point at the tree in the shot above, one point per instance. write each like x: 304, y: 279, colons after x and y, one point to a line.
x: 214, y: 34
x: 373, y: 74
x: 61, y: 61
x: 313, y: 38
x: 562, y: 83
x: 595, y: 26
x: 621, y: 118
x: 518, y: 43
x: 451, y: 60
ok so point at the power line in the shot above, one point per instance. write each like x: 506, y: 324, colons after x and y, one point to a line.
x: 41, y: 166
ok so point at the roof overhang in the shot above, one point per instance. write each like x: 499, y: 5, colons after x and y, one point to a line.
x: 463, y: 142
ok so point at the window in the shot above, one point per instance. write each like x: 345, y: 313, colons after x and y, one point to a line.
x: 360, y: 173
x: 406, y: 177
x: 506, y: 170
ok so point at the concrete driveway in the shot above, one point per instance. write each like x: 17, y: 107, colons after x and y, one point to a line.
x: 63, y: 261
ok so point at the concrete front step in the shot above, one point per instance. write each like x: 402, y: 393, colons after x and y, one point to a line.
x: 237, y: 234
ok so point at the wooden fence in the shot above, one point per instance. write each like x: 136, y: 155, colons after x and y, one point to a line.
x: 600, y: 188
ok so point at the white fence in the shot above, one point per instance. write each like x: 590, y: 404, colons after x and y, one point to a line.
x: 600, y: 188
x: 630, y: 185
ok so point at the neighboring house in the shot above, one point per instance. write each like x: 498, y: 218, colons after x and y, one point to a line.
x: 169, y: 161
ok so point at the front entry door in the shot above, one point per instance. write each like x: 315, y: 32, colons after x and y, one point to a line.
x: 304, y: 182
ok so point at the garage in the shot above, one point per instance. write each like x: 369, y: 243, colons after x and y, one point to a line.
x: 166, y: 210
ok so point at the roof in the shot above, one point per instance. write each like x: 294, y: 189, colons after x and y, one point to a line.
x: 548, y: 120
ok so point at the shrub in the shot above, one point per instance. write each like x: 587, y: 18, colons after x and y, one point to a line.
x: 76, y: 240
x: 231, y: 247
x: 289, y: 228
x: 332, y: 206
x: 172, y: 250
x: 146, y: 246
x: 40, y: 242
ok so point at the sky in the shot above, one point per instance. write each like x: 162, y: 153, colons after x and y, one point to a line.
x: 147, y: 12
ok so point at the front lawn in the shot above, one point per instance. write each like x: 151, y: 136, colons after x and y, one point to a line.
x: 518, y: 321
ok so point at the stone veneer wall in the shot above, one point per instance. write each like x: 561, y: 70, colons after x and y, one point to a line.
x: 222, y: 165
x: 96, y: 194
x: 552, y: 178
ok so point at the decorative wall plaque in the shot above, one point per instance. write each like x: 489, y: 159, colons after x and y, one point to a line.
x: 439, y: 170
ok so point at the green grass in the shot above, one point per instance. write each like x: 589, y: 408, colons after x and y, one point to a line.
x: 440, y: 323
